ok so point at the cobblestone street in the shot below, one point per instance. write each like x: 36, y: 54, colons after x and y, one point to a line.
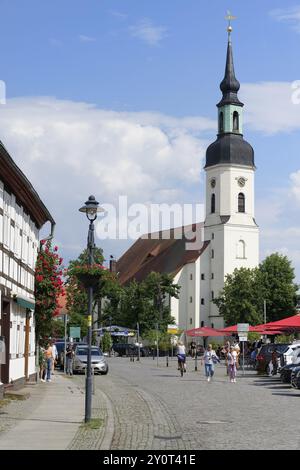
x: 154, y: 408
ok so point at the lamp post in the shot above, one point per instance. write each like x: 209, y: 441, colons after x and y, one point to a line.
x: 90, y: 209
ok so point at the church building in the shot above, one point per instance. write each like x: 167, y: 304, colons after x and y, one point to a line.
x: 230, y: 235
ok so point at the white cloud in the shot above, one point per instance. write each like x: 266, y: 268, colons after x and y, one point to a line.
x: 289, y: 15
x: 83, y: 38
x: 266, y: 114
x: 70, y: 150
x: 147, y: 32
x: 119, y: 15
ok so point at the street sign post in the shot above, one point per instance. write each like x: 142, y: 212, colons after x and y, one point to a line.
x: 242, y: 330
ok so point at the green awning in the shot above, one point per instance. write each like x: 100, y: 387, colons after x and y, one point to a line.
x: 25, y: 303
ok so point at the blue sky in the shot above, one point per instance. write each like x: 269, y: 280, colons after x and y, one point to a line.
x: 150, y: 64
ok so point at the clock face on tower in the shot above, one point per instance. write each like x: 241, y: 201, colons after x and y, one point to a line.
x: 213, y: 182
x: 241, y: 182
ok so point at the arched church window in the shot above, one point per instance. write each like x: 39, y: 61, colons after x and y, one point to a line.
x: 213, y: 204
x: 235, y: 121
x: 221, y: 122
x: 241, y: 249
x: 241, y: 202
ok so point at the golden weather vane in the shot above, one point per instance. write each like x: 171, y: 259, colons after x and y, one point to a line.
x: 229, y: 18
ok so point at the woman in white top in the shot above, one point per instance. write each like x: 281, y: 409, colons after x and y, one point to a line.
x: 181, y: 355
x: 232, y: 360
x: 210, y: 358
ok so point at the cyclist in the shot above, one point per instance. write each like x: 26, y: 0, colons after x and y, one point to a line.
x: 181, y: 357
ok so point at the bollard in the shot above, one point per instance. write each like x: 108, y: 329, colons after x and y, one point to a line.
x: 167, y: 358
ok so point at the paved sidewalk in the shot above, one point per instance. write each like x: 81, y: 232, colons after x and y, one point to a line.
x: 48, y: 420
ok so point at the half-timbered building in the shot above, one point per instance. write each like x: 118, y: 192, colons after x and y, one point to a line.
x: 22, y: 214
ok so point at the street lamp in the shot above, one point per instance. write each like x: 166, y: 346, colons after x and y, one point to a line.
x: 90, y: 209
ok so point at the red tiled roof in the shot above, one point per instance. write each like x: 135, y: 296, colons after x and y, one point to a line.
x: 157, y: 254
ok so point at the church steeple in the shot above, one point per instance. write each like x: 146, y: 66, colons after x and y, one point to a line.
x: 229, y: 85
x: 230, y: 147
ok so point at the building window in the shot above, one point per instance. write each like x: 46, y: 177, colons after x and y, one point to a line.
x: 241, y: 249
x: 235, y: 121
x: 212, y: 275
x: 202, y: 277
x: 241, y: 202
x: 202, y: 301
x: 212, y: 236
x: 191, y: 300
x: 212, y: 295
x: 221, y: 122
x: 212, y: 253
x: 191, y: 277
x: 213, y: 204
x: 191, y: 321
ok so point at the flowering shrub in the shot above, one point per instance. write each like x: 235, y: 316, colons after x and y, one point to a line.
x: 86, y: 269
x: 48, y: 289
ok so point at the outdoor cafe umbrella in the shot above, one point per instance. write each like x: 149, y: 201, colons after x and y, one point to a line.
x: 233, y: 329
x: 203, y: 331
x: 289, y: 323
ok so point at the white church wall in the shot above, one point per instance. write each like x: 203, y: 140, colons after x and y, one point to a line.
x: 204, y: 268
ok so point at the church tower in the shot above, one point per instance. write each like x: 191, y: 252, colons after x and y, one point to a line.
x: 229, y: 223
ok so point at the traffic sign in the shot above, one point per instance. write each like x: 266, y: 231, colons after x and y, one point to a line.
x: 242, y: 327
x: 243, y: 338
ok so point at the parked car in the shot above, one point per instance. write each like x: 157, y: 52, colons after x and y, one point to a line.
x: 99, y: 363
x: 286, y: 371
x: 62, y: 354
x: 126, y: 349
x: 289, y: 354
x: 295, y: 378
x: 264, y: 355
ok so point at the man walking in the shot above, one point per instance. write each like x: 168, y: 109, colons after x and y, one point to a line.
x: 69, y: 359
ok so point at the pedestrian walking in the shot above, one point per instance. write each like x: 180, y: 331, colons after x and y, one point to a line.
x: 54, y: 356
x: 49, y: 360
x: 225, y: 351
x: 69, y: 359
x: 232, y: 361
x: 210, y: 358
x: 42, y: 364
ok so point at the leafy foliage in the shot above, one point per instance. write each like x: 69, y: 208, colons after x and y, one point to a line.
x: 244, y: 292
x: 48, y: 289
x: 278, y: 287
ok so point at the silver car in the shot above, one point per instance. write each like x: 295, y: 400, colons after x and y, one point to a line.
x: 99, y: 364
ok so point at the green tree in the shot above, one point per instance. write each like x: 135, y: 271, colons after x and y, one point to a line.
x: 245, y: 290
x: 106, y: 342
x: 278, y: 287
x: 77, y: 298
x: 146, y: 303
x: 241, y: 299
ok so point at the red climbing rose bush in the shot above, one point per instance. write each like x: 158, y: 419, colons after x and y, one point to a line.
x: 48, y: 289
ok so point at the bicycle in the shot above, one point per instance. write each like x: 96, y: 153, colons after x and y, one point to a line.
x: 181, y: 364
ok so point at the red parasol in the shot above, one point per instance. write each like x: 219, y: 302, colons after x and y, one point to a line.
x: 289, y: 323
x: 204, y: 331
x: 233, y: 329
